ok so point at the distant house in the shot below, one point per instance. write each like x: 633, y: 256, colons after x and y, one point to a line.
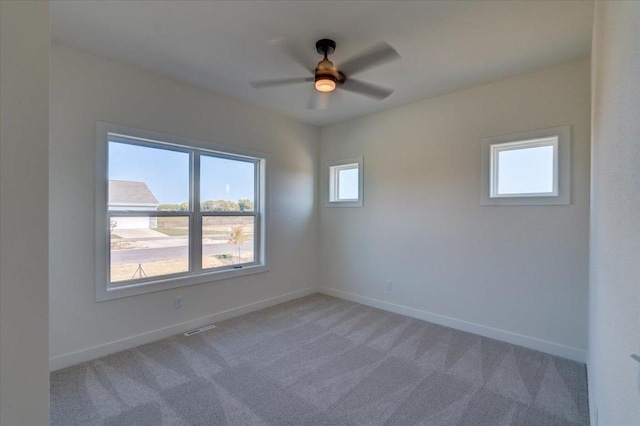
x: 132, y: 196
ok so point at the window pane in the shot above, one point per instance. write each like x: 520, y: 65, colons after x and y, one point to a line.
x: 143, y: 246
x: 348, y: 184
x: 226, y: 185
x: 525, y: 170
x: 143, y: 178
x: 227, y: 240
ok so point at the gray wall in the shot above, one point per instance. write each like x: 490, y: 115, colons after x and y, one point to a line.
x: 24, y: 136
x: 86, y: 89
x: 515, y: 272
x: 614, y: 320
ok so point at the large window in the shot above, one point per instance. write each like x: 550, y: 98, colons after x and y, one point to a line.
x: 531, y: 168
x: 176, y: 212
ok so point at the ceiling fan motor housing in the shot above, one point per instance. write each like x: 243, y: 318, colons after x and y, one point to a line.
x: 326, y: 70
x: 325, y: 46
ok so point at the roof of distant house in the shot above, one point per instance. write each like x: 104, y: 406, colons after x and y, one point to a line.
x: 130, y: 193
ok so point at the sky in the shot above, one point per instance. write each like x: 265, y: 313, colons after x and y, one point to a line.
x: 166, y: 173
x: 528, y: 170
x: 348, y: 188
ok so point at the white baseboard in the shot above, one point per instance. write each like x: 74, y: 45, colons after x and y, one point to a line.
x: 94, y: 352
x: 551, y: 348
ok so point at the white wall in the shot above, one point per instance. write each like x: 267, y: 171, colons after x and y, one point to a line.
x: 24, y: 136
x: 614, y: 315
x: 86, y: 89
x: 521, y: 270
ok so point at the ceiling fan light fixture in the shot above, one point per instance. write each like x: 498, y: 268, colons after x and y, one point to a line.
x: 325, y: 84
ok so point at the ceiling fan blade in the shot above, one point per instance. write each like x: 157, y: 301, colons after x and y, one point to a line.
x: 293, y: 52
x: 370, y: 58
x: 318, y: 100
x: 280, y: 82
x: 300, y: 58
x: 366, y: 89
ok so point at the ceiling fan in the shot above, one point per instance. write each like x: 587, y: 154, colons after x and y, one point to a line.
x: 327, y: 77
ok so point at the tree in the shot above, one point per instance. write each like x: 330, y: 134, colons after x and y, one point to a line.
x: 169, y: 207
x: 207, y: 206
x: 237, y: 237
x: 227, y: 206
x: 219, y: 206
x: 211, y: 206
x: 245, y: 205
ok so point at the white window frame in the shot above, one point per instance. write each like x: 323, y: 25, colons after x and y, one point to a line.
x: 558, y: 137
x: 332, y: 171
x: 196, y: 275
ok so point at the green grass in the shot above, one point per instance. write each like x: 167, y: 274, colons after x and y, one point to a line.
x: 223, y: 256
x: 173, y: 232
x: 169, y: 221
x: 115, y: 237
x: 210, y: 232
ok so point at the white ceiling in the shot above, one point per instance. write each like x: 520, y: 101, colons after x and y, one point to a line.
x: 445, y: 45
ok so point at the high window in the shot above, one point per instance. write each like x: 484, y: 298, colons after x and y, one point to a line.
x: 175, y: 212
x: 527, y: 168
x: 345, y: 183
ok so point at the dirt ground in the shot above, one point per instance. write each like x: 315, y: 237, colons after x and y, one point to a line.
x: 120, y: 274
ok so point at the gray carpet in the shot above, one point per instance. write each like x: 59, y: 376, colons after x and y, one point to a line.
x: 323, y: 361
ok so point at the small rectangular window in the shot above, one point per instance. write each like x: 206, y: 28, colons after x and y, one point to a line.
x: 531, y: 168
x: 345, y: 183
x: 525, y: 168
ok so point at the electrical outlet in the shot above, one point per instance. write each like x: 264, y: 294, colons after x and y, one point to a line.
x: 389, y: 285
x: 177, y: 302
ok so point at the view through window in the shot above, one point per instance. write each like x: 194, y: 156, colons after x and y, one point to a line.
x: 525, y: 168
x: 347, y: 183
x: 175, y: 211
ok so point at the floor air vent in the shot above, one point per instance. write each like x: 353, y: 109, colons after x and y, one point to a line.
x: 199, y: 330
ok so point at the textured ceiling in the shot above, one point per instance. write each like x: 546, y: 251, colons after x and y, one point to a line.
x: 445, y: 45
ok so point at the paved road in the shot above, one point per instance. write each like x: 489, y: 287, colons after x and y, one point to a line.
x: 119, y: 257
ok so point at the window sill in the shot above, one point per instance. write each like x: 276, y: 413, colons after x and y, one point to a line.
x: 344, y: 203
x: 524, y: 200
x: 160, y: 284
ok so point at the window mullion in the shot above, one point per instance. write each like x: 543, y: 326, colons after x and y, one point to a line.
x: 228, y: 213
x: 257, y: 207
x: 157, y: 213
x: 195, y: 242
